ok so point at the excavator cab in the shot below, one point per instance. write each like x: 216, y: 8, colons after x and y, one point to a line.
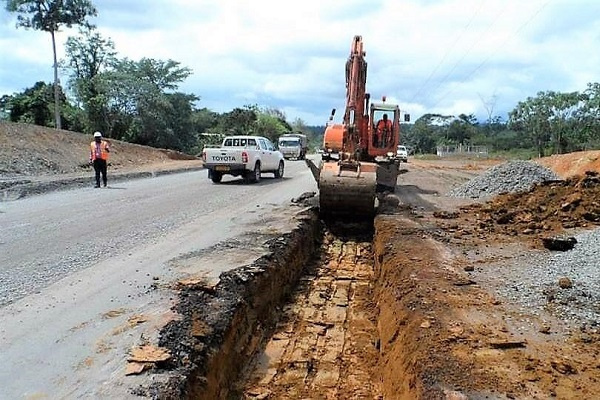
x: 384, y: 129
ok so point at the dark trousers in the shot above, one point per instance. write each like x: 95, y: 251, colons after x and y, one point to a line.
x: 100, y: 168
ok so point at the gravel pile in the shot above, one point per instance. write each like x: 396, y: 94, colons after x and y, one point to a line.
x: 510, y: 177
x: 540, y: 283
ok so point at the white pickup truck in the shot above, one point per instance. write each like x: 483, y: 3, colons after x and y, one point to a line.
x: 246, y: 156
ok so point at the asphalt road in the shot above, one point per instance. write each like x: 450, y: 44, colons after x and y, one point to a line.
x: 77, y: 267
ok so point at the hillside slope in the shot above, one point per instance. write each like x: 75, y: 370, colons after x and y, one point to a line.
x: 31, y: 150
x: 570, y: 164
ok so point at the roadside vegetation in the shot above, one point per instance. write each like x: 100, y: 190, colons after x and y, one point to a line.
x: 549, y: 123
x: 139, y: 101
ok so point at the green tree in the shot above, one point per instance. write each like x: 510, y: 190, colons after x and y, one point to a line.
x: 179, y: 122
x: 32, y: 106
x: 589, y: 117
x: 277, y: 114
x: 563, y: 123
x: 462, y: 129
x: 315, y: 140
x: 427, y: 131
x: 205, y: 120
x: 270, y: 127
x: 550, y: 119
x: 142, y: 107
x: 532, y: 118
x: 239, y: 121
x: 87, y: 57
x: 49, y: 16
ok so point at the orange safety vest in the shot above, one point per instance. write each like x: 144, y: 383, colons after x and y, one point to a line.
x: 384, y: 125
x: 99, y: 150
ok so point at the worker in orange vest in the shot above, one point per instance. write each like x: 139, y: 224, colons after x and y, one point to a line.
x: 99, y: 150
x: 384, y: 130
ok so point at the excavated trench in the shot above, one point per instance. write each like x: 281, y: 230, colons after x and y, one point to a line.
x: 399, y: 310
x: 325, y: 342
x: 300, y: 322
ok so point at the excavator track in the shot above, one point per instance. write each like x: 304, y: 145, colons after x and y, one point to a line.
x: 348, y: 193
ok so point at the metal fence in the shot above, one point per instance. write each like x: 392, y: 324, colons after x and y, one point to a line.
x: 460, y: 150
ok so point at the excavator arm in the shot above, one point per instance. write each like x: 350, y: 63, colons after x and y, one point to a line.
x: 345, y: 139
x: 348, y: 173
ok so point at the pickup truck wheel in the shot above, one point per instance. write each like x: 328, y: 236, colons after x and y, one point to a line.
x: 279, y: 172
x: 255, y: 175
x: 216, y: 176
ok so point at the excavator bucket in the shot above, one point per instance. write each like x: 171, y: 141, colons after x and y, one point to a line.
x: 346, y: 191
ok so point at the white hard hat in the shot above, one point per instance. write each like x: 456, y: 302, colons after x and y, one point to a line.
x: 97, y: 134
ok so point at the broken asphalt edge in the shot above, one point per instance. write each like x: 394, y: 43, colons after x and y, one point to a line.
x: 221, y: 327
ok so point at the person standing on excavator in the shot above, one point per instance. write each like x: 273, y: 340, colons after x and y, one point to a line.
x: 384, y: 131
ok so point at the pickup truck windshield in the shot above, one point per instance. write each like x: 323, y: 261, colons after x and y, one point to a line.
x: 289, y: 143
x: 239, y: 142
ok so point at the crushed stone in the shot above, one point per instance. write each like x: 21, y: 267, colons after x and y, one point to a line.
x: 539, y: 284
x: 509, y: 177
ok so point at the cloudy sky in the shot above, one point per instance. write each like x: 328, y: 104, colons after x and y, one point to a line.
x: 429, y: 56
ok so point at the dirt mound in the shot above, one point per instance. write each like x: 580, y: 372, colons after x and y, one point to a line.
x: 464, y: 305
x: 577, y: 163
x: 548, y: 207
x: 31, y: 150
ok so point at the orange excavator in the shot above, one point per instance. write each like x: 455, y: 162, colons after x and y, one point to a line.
x: 358, y: 158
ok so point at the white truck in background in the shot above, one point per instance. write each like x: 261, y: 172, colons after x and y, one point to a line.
x: 246, y: 156
x: 293, y: 145
x: 402, y: 153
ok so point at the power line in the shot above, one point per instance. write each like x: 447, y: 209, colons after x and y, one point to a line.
x: 448, y: 50
x: 535, y: 14
x: 465, y: 54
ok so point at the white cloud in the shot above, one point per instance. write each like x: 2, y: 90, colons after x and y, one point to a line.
x: 439, y: 56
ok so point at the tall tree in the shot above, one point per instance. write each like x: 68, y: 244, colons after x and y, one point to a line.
x: 532, y: 118
x: 298, y: 125
x: 489, y: 106
x: 461, y: 130
x: 563, y: 124
x: 141, y: 108
x: 240, y: 121
x: 87, y: 56
x: 49, y: 16
x: 589, y: 116
x: 204, y: 120
x: 550, y: 119
x: 269, y: 126
x: 426, y: 133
